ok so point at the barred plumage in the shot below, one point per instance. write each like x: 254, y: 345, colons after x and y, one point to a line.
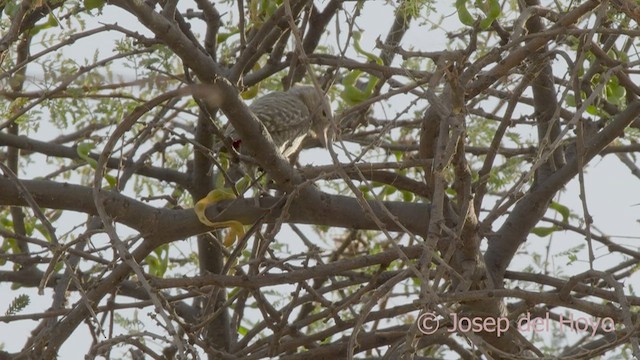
x: 290, y: 116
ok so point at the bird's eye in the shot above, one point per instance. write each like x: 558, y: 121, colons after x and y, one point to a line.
x: 236, y: 144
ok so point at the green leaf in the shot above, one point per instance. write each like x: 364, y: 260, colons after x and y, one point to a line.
x: 243, y: 330
x: 10, y: 8
x: 563, y: 210
x: 112, y: 181
x: 51, y: 22
x: 485, y: 23
x: 158, y: 261
x: 223, y: 36
x: 408, y: 196
x: 15, y: 286
x: 18, y: 304
x: 12, y: 244
x: 93, y: 4
x: 463, y: 13
x: 59, y: 266
x: 615, y: 93
x: 356, y: 45
x: 351, y: 94
x: 492, y: 9
x: 389, y: 190
x: 593, y: 110
x: 544, y: 231
x: 43, y: 231
x: 83, y: 150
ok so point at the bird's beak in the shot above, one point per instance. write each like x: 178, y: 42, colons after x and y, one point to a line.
x: 323, y: 136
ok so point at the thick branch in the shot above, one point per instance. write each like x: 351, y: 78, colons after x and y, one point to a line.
x: 164, y: 223
x: 503, y: 246
x: 167, y: 225
x: 336, y: 210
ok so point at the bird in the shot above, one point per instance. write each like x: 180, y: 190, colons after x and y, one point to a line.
x: 289, y: 117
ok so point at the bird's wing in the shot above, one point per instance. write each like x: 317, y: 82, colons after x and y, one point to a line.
x: 284, y: 115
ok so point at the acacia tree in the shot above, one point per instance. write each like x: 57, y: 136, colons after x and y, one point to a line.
x: 442, y: 164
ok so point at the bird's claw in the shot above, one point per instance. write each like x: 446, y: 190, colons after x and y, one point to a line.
x: 236, y: 229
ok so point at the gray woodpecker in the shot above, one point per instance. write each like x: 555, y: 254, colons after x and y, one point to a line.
x: 290, y: 116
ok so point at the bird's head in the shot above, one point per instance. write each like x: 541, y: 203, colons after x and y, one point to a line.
x: 320, y: 108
